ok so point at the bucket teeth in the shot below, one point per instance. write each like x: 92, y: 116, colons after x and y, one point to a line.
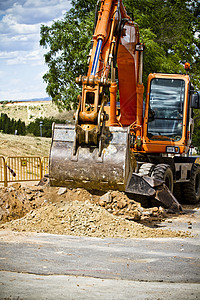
x: 150, y: 187
x: 165, y: 196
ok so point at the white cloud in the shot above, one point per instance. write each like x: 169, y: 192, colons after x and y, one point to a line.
x: 31, y: 12
x: 9, y: 24
x: 23, y: 57
x: 20, y: 22
x: 22, y: 82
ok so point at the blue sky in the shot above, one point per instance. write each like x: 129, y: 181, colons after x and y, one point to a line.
x: 21, y: 57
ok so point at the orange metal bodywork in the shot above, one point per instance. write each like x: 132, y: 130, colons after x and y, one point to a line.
x: 127, y: 62
x: 159, y: 146
x: 128, y: 65
x: 129, y: 84
x: 113, y: 105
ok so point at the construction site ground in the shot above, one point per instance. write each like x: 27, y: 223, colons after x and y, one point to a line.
x: 74, y: 244
x: 59, y: 243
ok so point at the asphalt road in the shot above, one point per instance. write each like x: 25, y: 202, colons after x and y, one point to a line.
x: 47, y: 266
x: 43, y: 266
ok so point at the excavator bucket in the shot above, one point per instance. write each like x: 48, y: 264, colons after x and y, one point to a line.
x: 150, y: 187
x: 87, y: 168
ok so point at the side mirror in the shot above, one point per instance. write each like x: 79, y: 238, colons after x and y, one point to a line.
x: 195, y: 100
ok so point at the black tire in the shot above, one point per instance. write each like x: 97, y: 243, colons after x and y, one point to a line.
x: 178, y: 191
x: 164, y: 172
x: 191, y: 189
x: 146, y: 169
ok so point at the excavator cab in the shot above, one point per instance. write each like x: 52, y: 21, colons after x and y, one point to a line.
x: 168, y: 123
x: 167, y: 109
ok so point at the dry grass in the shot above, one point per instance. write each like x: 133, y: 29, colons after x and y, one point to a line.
x: 14, y: 145
x: 11, y: 145
x: 28, y: 112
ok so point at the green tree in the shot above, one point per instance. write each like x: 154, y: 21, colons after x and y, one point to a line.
x: 69, y: 44
x: 19, y: 127
x: 168, y: 28
x: 196, y: 134
x: 6, y: 125
x: 34, y: 127
x: 12, y: 126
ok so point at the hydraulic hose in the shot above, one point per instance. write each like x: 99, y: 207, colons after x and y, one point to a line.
x: 96, y: 57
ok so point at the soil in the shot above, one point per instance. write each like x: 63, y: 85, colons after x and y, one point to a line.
x: 79, y: 212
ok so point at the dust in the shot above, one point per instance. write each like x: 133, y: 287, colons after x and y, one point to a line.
x: 79, y: 212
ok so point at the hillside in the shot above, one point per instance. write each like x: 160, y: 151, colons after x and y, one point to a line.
x: 14, y: 145
x: 29, y: 111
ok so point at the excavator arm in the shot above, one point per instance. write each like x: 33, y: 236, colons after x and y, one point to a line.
x: 114, y: 42
x: 95, y: 153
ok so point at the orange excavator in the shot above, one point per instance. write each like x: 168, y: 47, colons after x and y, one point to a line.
x: 119, y: 141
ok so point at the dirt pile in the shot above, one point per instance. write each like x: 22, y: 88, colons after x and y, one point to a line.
x: 17, y: 201
x: 119, y: 204
x: 79, y: 212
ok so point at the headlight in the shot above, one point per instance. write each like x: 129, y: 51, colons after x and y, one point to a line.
x: 172, y: 149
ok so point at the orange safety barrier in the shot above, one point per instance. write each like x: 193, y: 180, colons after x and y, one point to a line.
x: 3, y: 171
x: 22, y: 168
x: 45, y: 166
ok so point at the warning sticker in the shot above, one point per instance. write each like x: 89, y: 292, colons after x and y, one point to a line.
x: 23, y: 162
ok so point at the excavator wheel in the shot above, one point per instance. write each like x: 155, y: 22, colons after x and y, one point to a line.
x: 164, y: 172
x: 146, y: 169
x: 191, y: 189
x: 178, y: 191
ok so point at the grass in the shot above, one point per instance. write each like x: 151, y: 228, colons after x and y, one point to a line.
x: 15, y: 145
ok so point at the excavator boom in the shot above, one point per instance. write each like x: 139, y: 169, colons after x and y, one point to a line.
x: 95, y: 153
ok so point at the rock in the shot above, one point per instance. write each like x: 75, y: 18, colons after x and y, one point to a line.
x: 43, y: 181
x: 121, y: 204
x: 101, y: 202
x: 77, y: 213
x: 61, y: 191
x: 28, y: 191
x: 107, y: 198
x: 115, y: 213
x: 136, y: 216
x: 140, y: 209
x: 154, y: 209
x: 162, y: 212
x: 30, y: 197
x: 147, y: 213
x: 16, y: 186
